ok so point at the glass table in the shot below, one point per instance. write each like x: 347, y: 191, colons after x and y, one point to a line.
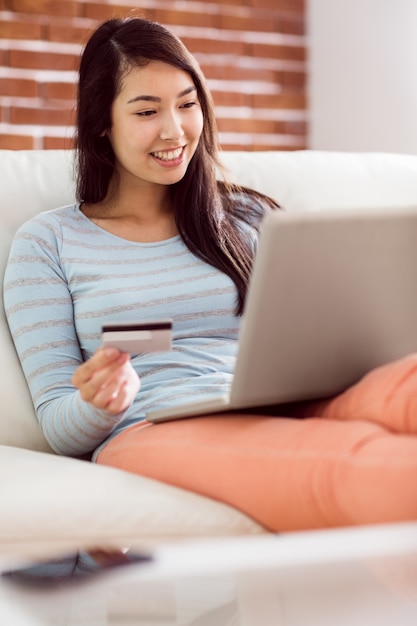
x: 358, y: 576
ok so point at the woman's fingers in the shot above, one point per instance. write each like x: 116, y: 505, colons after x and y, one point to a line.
x: 107, y: 380
x: 122, y: 397
x: 100, y: 379
x: 101, y: 360
x: 123, y: 390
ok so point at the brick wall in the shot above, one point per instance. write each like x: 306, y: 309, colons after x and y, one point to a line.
x: 251, y: 51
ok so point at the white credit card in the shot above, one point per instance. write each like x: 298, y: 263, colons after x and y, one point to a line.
x: 137, y: 337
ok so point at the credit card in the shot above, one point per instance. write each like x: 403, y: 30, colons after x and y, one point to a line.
x: 138, y: 337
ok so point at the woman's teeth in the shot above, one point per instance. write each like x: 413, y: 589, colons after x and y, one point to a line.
x: 168, y: 156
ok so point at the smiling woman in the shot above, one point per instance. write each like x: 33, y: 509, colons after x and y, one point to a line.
x: 155, y: 236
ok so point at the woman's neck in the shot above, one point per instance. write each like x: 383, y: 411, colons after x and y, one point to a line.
x: 143, y: 217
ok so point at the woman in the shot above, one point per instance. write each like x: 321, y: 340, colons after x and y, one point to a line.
x: 153, y: 235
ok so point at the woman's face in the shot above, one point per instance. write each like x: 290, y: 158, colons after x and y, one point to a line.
x: 156, y: 125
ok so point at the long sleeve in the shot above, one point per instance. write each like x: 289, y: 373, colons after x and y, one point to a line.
x: 39, y: 309
x: 66, y: 276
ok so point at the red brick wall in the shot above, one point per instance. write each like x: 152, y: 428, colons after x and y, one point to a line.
x: 252, y: 52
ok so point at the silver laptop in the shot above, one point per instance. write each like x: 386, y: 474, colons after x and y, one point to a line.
x: 332, y: 295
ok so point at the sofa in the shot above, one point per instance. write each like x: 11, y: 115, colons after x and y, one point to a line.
x: 52, y: 504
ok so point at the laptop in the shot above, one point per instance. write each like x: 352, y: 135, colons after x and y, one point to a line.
x: 332, y: 295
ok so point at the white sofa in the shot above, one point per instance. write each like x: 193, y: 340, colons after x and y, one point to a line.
x: 50, y: 503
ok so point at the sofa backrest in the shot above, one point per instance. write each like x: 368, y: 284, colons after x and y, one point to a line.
x: 31, y: 181
x: 34, y: 181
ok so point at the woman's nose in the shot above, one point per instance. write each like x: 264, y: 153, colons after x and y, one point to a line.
x: 171, y: 129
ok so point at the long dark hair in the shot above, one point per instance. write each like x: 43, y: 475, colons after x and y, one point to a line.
x: 206, y: 211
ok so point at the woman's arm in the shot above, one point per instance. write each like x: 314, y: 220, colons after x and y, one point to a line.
x: 40, y: 314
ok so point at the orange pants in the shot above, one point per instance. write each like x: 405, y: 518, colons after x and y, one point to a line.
x: 354, y: 461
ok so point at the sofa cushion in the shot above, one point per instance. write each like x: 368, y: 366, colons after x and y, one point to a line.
x: 51, y: 503
x: 32, y: 181
x: 314, y: 180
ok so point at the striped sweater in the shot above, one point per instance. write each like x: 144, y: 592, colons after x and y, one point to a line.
x: 66, y: 276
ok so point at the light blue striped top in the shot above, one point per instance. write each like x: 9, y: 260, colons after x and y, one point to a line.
x: 66, y: 276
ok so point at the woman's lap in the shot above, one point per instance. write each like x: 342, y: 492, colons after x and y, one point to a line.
x: 354, y: 463
x: 286, y: 473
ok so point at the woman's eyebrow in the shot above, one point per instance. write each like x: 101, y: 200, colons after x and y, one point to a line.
x: 183, y: 93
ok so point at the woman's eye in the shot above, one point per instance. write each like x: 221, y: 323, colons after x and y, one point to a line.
x: 188, y: 105
x: 145, y: 113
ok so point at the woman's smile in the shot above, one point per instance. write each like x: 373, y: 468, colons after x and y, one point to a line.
x: 169, y: 158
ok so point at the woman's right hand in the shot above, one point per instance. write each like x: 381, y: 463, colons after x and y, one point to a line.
x: 107, y: 380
